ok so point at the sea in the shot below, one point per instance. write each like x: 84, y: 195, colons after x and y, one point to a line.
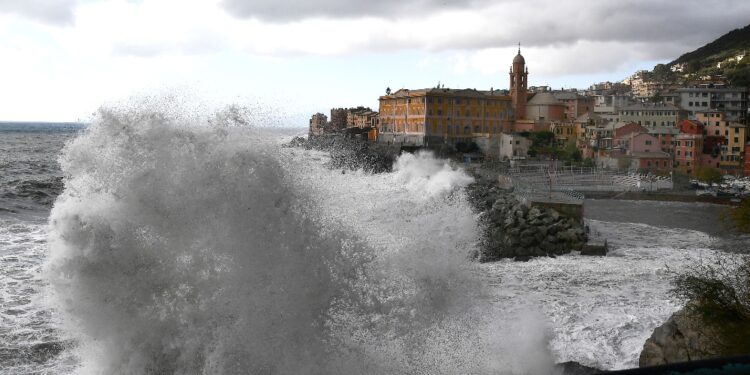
x: 163, y: 240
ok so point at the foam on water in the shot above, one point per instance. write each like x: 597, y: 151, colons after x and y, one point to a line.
x: 602, y: 309
x: 195, y: 244
x: 28, y: 339
x: 183, y: 247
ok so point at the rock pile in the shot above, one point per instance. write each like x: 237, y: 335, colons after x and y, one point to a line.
x: 515, y: 230
x: 351, y: 153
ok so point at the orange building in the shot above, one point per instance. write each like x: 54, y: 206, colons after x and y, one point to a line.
x: 439, y: 115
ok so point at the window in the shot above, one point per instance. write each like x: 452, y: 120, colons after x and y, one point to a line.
x: 648, y: 143
x: 439, y: 112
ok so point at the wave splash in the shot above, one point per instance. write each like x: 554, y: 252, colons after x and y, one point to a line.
x: 180, y: 244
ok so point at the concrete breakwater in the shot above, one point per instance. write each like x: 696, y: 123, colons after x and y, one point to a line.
x: 513, y: 229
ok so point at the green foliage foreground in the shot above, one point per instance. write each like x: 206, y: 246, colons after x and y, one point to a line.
x: 718, y: 293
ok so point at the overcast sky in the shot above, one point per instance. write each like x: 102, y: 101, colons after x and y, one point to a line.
x: 61, y: 59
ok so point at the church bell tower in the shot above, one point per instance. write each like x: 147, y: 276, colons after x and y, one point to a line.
x: 518, y: 85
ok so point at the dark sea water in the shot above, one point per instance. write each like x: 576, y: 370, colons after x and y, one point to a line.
x: 173, y: 246
x: 30, y: 180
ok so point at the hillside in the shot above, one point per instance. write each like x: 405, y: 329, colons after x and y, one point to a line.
x: 727, y: 57
x: 728, y: 45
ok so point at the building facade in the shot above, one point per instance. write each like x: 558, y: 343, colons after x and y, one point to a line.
x: 575, y: 104
x: 318, y: 124
x: 732, y: 101
x: 436, y: 116
x: 651, y: 115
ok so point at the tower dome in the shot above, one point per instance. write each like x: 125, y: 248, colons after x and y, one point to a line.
x: 519, y: 59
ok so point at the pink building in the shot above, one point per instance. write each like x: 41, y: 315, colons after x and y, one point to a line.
x: 652, y: 161
x: 715, y: 123
x: 688, y: 152
x: 643, y: 143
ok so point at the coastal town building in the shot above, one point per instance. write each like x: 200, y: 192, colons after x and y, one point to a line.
x: 358, y: 117
x: 651, y: 115
x: 565, y: 133
x: 512, y: 146
x: 623, y: 133
x: 575, y: 104
x: 688, y: 152
x: 338, y: 118
x: 543, y: 109
x: 318, y: 124
x: 666, y: 136
x: 733, y: 101
x: 732, y: 161
x: 441, y: 115
x: 611, y: 103
x: 715, y: 122
x: 437, y: 116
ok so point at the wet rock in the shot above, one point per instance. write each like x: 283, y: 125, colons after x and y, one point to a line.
x: 594, y: 249
x: 575, y: 368
x: 681, y: 338
x: 512, y: 230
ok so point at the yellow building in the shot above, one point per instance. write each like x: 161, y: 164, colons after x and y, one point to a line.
x: 440, y: 115
x: 565, y: 132
x: 732, y: 156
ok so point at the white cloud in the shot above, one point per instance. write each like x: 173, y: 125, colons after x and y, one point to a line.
x: 55, y: 12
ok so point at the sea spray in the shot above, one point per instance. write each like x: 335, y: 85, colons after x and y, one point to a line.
x: 183, y: 244
x: 428, y: 175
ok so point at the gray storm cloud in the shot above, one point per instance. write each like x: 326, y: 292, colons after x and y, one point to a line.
x: 538, y: 23
x: 291, y: 10
x: 55, y: 12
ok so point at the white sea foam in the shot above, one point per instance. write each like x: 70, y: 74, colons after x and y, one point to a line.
x: 183, y: 247
x: 196, y: 245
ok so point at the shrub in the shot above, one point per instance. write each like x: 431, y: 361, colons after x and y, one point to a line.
x: 718, y: 293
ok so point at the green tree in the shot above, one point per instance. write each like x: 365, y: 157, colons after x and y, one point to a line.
x: 708, y: 175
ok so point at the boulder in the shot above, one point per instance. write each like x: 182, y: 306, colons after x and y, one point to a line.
x: 681, y: 338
